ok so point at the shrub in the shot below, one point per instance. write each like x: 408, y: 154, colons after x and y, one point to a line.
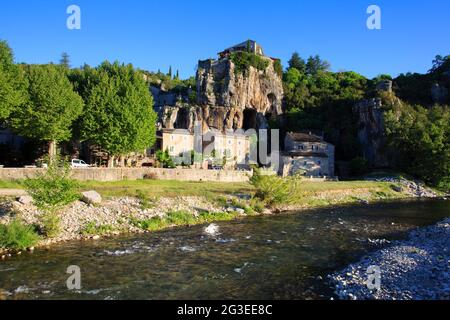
x: 165, y: 159
x: 17, y: 236
x: 51, y: 224
x: 244, y: 60
x: 278, y: 67
x: 274, y: 190
x: 53, y: 189
x: 180, y: 218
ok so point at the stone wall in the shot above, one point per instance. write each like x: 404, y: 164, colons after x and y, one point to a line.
x: 118, y: 174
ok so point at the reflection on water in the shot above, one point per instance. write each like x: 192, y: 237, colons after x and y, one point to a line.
x: 274, y: 257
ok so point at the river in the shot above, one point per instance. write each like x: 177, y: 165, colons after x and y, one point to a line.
x: 285, y: 256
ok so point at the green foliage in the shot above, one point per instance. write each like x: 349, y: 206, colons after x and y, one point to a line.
x: 420, y: 139
x: 53, y: 189
x: 119, y: 115
x: 94, y: 229
x: 278, y: 68
x: 145, y: 201
x: 51, y: 224
x: 52, y: 106
x: 12, y: 83
x: 244, y: 60
x: 297, y: 62
x: 152, y: 224
x: 274, y: 190
x: 180, y: 218
x: 17, y: 236
x: 165, y: 159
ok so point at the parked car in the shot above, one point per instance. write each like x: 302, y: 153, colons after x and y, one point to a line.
x: 77, y: 163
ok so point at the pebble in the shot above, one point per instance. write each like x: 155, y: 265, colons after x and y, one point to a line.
x: 410, y: 270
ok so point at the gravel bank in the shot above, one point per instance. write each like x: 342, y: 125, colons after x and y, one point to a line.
x: 415, y: 269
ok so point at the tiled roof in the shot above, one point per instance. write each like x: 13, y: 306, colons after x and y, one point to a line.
x: 304, y: 137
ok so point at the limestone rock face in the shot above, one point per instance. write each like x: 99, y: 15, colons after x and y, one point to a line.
x: 229, y: 100
x: 219, y: 85
x: 371, y: 131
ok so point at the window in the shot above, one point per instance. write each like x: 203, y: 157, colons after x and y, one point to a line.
x: 172, y: 137
x: 229, y: 142
x: 319, y: 162
x: 305, y: 163
x: 172, y: 148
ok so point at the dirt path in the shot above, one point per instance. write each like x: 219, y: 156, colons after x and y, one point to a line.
x: 12, y: 192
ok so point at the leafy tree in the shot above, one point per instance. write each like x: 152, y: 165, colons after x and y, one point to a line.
x: 170, y: 72
x: 119, y: 114
x: 51, y: 109
x: 12, y: 83
x: 297, y: 62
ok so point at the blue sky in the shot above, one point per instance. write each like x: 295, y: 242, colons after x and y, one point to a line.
x: 154, y: 34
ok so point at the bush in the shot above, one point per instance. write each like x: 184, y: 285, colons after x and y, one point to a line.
x: 274, y: 190
x: 51, y: 224
x: 244, y: 60
x: 165, y: 159
x: 53, y: 189
x: 17, y: 236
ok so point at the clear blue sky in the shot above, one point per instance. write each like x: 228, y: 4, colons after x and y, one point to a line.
x: 153, y: 34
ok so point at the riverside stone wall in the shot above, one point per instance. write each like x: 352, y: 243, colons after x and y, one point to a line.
x: 118, y: 174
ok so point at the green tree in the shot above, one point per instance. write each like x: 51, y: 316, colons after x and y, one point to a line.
x: 119, y: 114
x: 170, y: 72
x: 12, y: 83
x: 65, y: 60
x: 51, y: 109
x: 315, y: 64
x: 297, y: 62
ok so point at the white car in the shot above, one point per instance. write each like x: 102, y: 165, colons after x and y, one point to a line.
x: 77, y: 163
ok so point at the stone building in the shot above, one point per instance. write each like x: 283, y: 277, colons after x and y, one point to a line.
x: 247, y: 46
x: 307, y: 154
x: 228, y: 150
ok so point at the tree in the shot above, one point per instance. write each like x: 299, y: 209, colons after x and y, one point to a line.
x: 170, y: 72
x: 314, y: 65
x: 119, y: 114
x: 177, y: 75
x: 12, y: 83
x: 65, y: 60
x: 297, y: 62
x: 51, y: 109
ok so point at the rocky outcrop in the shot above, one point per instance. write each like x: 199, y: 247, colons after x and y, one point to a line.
x: 439, y: 93
x: 371, y: 134
x: 229, y: 100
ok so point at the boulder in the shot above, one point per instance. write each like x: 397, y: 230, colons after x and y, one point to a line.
x: 91, y: 197
x: 25, y: 200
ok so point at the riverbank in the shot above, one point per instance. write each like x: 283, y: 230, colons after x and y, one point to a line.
x: 414, y: 269
x: 149, y: 205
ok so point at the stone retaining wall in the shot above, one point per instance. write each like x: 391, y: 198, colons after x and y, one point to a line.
x: 117, y: 174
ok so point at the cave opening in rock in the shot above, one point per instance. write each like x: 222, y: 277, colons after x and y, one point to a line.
x: 250, y: 116
x: 182, y: 121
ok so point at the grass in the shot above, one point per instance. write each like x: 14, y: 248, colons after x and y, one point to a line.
x: 93, y: 229
x: 165, y: 188
x: 17, y: 236
x: 306, y: 194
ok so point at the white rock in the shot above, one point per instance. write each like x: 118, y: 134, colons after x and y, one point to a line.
x: 25, y: 200
x: 91, y: 197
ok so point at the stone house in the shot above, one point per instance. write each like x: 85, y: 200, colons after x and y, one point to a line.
x: 215, y: 145
x: 307, y: 154
x: 247, y: 46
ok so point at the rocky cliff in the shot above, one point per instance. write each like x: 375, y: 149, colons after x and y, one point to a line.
x: 227, y: 99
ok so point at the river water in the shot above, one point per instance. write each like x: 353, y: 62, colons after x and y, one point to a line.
x: 272, y: 257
